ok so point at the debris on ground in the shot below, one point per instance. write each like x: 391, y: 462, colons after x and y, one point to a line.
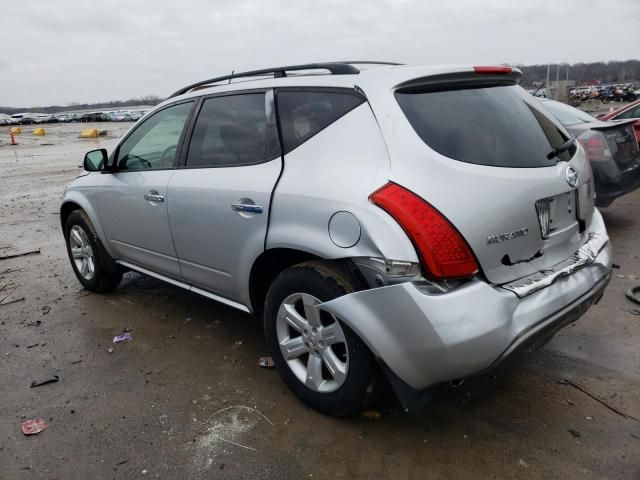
x: 34, y: 345
x: 123, y: 337
x: 45, y: 310
x: 633, y: 294
x: 566, y: 381
x: 22, y: 254
x: 21, y: 299
x: 266, y: 362
x: 371, y: 414
x: 575, y: 433
x: 31, y: 427
x: 10, y: 270
x: 52, y: 379
x: 110, y: 350
x: 76, y: 362
x: 615, y: 265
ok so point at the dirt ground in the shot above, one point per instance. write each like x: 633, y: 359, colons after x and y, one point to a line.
x: 185, y: 399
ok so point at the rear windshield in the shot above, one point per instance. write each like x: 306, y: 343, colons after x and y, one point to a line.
x: 567, y: 114
x: 500, y: 126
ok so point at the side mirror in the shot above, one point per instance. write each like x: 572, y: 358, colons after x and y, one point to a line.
x: 95, y: 160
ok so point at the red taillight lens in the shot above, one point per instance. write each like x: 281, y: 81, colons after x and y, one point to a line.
x: 492, y: 70
x: 443, y: 251
x: 595, y: 148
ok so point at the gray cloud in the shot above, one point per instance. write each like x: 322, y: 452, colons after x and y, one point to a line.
x: 66, y: 51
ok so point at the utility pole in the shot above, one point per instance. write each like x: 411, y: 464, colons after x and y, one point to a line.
x: 547, y: 86
x: 556, y: 95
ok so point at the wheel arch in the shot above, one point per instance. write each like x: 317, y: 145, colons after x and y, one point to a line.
x: 74, y: 200
x: 272, y: 262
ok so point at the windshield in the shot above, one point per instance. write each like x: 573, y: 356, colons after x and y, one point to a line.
x: 568, y: 115
x: 500, y: 126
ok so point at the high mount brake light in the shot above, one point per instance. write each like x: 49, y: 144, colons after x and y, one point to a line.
x: 491, y: 70
x: 443, y: 251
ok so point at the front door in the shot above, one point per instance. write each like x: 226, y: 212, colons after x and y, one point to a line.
x: 219, y: 198
x: 133, y: 198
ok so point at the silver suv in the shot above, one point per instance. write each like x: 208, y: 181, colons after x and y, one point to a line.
x: 390, y: 225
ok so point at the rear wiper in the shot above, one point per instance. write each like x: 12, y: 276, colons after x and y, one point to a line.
x: 562, y: 148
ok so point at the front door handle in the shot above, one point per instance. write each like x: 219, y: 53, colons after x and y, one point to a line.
x: 154, y: 196
x: 246, y: 207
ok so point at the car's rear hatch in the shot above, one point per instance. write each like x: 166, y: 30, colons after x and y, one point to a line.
x: 478, y: 148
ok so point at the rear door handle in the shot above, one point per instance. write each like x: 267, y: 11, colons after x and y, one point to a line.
x: 154, y: 196
x: 246, y: 207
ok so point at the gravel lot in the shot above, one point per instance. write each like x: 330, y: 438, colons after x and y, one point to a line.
x: 185, y: 399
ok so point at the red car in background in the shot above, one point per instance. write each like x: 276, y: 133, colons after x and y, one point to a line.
x: 631, y: 110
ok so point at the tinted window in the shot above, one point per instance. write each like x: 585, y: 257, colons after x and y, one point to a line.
x: 232, y: 130
x: 305, y: 113
x: 154, y: 144
x: 568, y: 115
x: 498, y: 126
x: 631, y: 113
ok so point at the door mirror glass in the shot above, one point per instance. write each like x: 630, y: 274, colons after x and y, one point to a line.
x: 95, y: 160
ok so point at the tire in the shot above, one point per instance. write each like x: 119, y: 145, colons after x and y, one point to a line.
x: 359, y: 381
x: 106, y: 274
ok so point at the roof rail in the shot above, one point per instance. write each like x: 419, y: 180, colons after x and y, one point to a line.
x: 370, y: 62
x: 336, y: 68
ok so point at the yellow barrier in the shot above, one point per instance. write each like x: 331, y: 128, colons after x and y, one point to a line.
x: 39, y: 131
x: 16, y: 130
x: 89, y: 133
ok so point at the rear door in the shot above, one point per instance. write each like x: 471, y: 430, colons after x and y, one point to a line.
x: 478, y: 148
x: 220, y: 197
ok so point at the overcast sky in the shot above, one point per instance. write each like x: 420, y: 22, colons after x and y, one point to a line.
x: 63, y: 51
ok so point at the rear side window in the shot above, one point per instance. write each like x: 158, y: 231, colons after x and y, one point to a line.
x: 232, y: 131
x: 304, y: 113
x: 498, y: 126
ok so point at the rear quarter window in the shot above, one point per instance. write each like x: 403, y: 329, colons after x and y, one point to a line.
x: 499, y: 126
x: 305, y: 113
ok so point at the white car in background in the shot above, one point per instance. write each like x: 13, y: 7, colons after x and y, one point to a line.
x: 5, y: 119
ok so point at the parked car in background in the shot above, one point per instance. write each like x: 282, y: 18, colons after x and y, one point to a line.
x: 5, y: 119
x: 422, y: 223
x: 26, y: 118
x: 122, y: 117
x: 43, y: 117
x: 93, y: 117
x: 610, y: 147
x: 631, y: 111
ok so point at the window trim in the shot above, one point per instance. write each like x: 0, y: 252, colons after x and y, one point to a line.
x: 113, y: 158
x: 355, y: 91
x: 271, y: 124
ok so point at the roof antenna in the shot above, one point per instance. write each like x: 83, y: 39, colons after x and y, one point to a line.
x: 231, y: 76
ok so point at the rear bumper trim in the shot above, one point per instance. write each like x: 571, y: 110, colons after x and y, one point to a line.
x: 585, y: 255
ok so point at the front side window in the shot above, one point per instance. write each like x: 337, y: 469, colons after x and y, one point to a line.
x: 154, y: 144
x: 305, y: 113
x: 233, y: 130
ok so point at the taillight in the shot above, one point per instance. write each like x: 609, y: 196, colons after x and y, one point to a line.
x: 595, y: 146
x: 492, y: 70
x: 442, y: 250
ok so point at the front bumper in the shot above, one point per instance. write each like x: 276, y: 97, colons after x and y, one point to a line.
x: 426, y: 338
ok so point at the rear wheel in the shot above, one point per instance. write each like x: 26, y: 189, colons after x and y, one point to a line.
x: 93, y: 266
x: 319, y: 357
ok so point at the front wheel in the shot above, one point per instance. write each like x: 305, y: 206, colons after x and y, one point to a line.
x: 317, y: 355
x: 93, y: 266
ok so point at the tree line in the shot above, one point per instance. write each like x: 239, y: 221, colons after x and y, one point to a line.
x: 627, y: 71
x: 113, y: 104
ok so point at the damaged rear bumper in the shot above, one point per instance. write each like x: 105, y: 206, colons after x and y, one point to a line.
x: 426, y: 338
